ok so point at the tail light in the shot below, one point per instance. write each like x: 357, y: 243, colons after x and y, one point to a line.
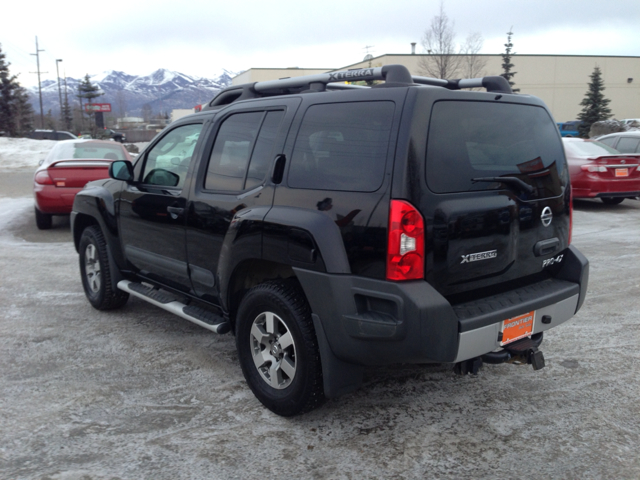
x: 593, y: 168
x: 43, y: 178
x: 405, y: 246
x: 570, y: 214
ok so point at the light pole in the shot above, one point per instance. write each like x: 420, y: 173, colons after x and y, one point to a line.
x: 58, y: 60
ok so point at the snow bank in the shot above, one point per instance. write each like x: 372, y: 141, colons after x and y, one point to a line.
x: 26, y: 153
x: 23, y: 152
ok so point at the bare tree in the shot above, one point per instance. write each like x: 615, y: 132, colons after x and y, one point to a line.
x: 121, y: 103
x: 439, y: 44
x: 473, y: 64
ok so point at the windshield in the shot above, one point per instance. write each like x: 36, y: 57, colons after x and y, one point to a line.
x: 588, y: 148
x: 471, y: 140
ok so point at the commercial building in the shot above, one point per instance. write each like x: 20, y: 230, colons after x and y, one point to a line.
x: 559, y: 80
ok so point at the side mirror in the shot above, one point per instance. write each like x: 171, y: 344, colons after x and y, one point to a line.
x: 121, y: 170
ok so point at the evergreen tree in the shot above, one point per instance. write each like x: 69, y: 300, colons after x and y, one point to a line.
x: 506, y: 62
x: 88, y: 91
x: 67, y: 117
x: 594, y: 105
x: 7, y: 108
x: 24, y: 112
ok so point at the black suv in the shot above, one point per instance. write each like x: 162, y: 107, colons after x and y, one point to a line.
x: 332, y: 227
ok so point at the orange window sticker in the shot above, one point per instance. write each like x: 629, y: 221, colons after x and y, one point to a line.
x: 517, y: 328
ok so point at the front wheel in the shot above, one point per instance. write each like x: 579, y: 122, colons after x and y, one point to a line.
x: 95, y: 271
x: 612, y: 200
x: 278, y: 349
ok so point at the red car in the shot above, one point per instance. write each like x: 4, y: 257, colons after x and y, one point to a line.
x: 599, y: 171
x: 68, y: 167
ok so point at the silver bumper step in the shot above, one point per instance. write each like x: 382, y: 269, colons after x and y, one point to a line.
x: 199, y: 316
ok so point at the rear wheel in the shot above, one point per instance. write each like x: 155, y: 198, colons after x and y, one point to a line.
x: 95, y: 271
x: 43, y: 220
x: 612, y: 200
x: 278, y: 349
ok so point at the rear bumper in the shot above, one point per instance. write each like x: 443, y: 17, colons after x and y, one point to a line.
x: 55, y: 200
x: 596, y: 188
x: 361, y: 321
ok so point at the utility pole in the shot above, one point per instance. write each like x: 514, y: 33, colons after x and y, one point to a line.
x: 66, y: 101
x: 37, y: 54
x: 58, y: 60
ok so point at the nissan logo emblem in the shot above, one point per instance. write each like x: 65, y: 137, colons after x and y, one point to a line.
x: 546, y: 216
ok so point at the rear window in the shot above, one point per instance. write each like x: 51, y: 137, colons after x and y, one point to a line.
x: 85, y: 151
x: 471, y: 140
x: 587, y: 148
x: 342, y: 146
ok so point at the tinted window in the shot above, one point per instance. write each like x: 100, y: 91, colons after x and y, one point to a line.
x: 470, y: 140
x: 168, y: 161
x: 231, y: 151
x: 628, y: 145
x: 263, y: 151
x: 342, y: 146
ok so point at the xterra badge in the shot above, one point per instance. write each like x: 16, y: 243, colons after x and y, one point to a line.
x: 474, y: 257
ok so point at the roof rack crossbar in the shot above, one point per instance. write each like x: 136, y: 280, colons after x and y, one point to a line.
x: 389, y: 73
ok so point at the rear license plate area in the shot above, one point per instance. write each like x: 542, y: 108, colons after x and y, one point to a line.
x: 516, y: 328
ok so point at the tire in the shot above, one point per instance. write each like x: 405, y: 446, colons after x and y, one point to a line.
x: 95, y: 271
x: 43, y: 220
x: 612, y: 200
x: 278, y: 349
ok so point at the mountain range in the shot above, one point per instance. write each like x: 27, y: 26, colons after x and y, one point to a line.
x: 163, y: 90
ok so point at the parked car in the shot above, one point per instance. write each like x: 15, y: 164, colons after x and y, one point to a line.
x: 600, y: 171
x: 51, y: 135
x: 569, y: 129
x: 113, y: 135
x: 625, y: 142
x: 333, y: 227
x: 68, y: 167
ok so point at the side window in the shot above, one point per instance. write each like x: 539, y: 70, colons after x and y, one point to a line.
x: 242, y: 151
x: 608, y: 141
x: 263, y: 151
x: 628, y: 145
x: 342, y: 146
x: 168, y: 161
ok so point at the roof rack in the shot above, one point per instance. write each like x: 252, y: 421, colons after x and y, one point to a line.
x: 393, y: 75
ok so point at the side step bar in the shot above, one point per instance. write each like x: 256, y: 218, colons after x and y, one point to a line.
x: 166, y: 301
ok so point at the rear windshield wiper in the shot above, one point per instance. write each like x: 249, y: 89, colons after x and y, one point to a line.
x: 514, y: 181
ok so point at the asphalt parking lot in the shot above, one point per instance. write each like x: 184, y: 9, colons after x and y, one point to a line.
x: 138, y: 393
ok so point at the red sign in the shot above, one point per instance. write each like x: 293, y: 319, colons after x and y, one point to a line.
x: 97, y: 107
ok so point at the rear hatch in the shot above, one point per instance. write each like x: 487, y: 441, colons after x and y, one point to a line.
x: 497, y: 203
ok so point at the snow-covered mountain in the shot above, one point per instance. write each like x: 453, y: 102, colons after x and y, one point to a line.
x: 163, y: 90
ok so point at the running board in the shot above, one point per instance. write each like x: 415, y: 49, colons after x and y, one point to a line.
x: 166, y: 301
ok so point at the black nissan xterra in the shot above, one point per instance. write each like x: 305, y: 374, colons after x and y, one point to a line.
x: 332, y: 227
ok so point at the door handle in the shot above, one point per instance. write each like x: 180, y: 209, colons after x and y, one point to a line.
x: 175, y: 212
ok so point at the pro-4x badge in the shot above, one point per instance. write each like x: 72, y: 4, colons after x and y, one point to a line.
x: 474, y: 257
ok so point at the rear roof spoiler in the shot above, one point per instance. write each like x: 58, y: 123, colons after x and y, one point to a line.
x: 392, y: 75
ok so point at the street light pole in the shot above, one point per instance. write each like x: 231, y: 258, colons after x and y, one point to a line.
x: 58, y: 60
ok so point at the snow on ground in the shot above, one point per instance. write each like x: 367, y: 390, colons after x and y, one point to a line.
x: 23, y: 152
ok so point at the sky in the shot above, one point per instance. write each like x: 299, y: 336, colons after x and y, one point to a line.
x: 202, y: 37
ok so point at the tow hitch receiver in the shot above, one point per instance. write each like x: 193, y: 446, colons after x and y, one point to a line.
x: 522, y: 352
x: 526, y: 352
